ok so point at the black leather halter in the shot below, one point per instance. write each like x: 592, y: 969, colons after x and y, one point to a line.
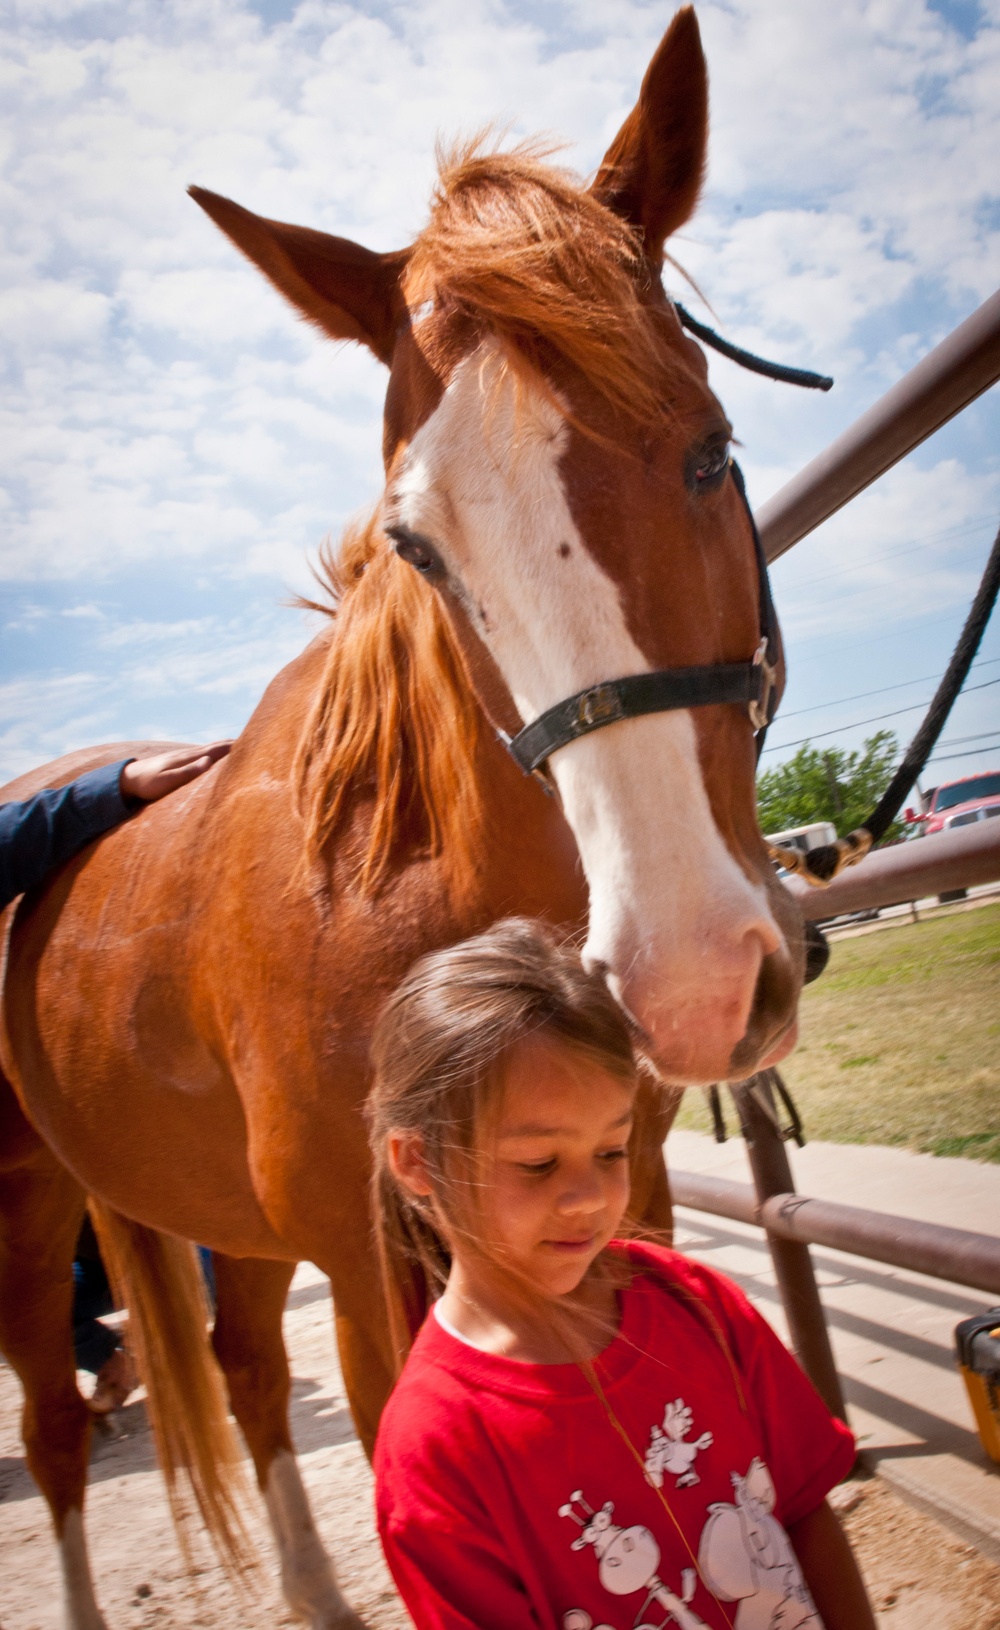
x: 748, y: 684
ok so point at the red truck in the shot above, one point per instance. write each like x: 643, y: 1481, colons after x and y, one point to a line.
x: 959, y: 803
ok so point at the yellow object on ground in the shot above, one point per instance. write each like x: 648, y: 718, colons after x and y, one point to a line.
x: 978, y: 1344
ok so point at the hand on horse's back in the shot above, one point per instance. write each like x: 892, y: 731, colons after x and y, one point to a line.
x: 149, y: 779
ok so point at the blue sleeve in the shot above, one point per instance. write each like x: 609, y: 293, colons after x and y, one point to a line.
x: 46, y: 830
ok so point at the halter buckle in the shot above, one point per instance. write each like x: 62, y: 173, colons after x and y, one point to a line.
x: 760, y: 708
x: 598, y: 706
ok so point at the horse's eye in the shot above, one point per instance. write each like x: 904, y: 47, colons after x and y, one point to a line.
x: 416, y: 550
x: 708, y: 466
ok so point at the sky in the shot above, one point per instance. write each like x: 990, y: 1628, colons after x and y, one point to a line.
x: 175, y: 444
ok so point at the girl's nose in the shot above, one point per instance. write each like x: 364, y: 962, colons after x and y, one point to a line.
x: 581, y: 1198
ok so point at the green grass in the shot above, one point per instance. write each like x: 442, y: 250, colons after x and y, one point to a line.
x: 900, y: 1041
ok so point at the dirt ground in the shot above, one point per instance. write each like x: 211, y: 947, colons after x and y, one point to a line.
x: 138, y: 1574
x: 919, y: 1574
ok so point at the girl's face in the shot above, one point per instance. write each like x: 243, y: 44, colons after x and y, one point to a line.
x: 557, y: 1179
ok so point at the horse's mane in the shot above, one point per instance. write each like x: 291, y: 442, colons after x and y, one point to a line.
x: 394, y: 719
x: 524, y: 252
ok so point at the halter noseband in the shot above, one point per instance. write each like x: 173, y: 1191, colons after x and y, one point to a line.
x: 748, y: 684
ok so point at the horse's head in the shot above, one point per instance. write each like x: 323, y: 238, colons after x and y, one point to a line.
x: 557, y: 468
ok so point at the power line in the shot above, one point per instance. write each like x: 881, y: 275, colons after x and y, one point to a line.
x: 896, y: 554
x: 974, y: 752
x: 956, y: 741
x: 861, y: 593
x: 852, y: 587
x: 872, y: 639
x: 820, y: 735
x: 914, y: 707
x: 859, y: 696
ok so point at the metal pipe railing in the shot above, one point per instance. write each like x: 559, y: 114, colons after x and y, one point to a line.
x: 793, y: 1269
x: 947, y: 380
x: 953, y: 1254
x: 941, y: 385
x: 963, y: 858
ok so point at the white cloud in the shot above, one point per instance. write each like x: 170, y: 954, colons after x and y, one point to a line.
x: 904, y: 543
x: 195, y: 679
x: 165, y: 409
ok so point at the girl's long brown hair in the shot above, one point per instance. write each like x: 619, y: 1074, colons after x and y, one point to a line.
x: 438, y: 1052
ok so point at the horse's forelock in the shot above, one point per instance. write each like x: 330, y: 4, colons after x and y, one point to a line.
x: 523, y: 249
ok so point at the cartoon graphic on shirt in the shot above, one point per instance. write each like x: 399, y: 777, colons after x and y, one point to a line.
x: 579, y: 1619
x: 668, y: 1451
x: 627, y: 1560
x: 745, y: 1556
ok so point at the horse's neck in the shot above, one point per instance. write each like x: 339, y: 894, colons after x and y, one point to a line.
x: 529, y: 861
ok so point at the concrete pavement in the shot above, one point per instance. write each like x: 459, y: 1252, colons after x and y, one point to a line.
x: 892, y: 1331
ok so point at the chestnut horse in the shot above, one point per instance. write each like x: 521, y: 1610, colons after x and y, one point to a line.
x: 188, y: 1002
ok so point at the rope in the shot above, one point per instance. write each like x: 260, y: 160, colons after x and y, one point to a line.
x: 925, y: 740
x: 746, y: 359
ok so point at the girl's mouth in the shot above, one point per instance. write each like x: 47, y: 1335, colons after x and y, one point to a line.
x: 571, y: 1247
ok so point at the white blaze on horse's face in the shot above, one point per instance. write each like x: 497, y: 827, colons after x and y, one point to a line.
x: 674, y: 920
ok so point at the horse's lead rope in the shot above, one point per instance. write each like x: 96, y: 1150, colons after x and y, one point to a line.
x: 747, y: 359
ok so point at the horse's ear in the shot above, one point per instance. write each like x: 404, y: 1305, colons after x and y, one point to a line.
x: 653, y: 170
x: 349, y: 292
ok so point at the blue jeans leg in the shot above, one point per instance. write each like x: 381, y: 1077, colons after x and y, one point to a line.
x: 93, y: 1342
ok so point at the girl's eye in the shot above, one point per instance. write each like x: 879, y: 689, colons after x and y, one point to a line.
x: 416, y: 550
x: 611, y: 1155
x: 708, y: 466
x: 537, y: 1168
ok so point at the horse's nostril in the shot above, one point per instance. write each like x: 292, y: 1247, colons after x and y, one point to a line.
x: 773, y: 1006
x: 776, y: 994
x: 817, y: 952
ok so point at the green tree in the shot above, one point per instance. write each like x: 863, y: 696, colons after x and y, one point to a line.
x: 828, y: 784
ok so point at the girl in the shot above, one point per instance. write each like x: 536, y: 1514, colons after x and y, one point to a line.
x: 587, y: 1433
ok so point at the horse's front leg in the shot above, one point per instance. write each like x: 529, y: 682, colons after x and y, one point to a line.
x: 361, y: 1322
x: 250, y: 1301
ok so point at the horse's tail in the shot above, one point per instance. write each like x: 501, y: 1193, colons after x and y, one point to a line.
x: 158, y: 1278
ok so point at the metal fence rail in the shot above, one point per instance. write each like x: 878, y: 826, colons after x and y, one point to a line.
x: 953, y: 1254
x: 947, y: 380
x: 961, y: 859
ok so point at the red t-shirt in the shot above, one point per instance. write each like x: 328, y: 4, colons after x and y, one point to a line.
x: 507, y: 1498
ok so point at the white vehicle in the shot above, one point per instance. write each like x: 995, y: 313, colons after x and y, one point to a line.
x: 805, y: 838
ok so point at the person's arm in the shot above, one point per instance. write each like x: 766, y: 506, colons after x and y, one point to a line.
x: 46, y: 830
x: 830, y: 1570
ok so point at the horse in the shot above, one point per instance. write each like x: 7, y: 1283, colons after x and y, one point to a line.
x: 187, y: 1004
